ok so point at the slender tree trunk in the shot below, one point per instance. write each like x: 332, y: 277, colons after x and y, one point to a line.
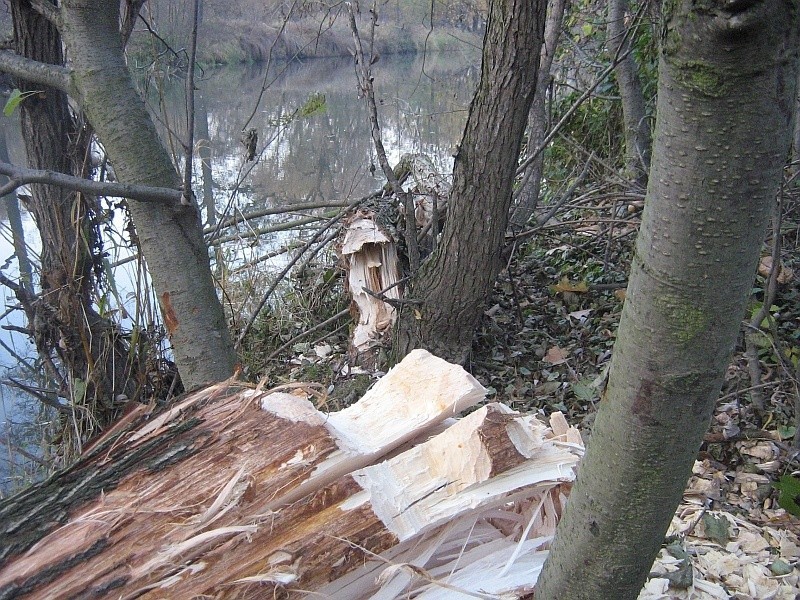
x: 11, y: 203
x: 726, y: 85
x: 65, y: 323
x: 170, y: 235
x: 452, y: 286
x: 634, y: 114
x: 796, y: 140
x: 537, y: 118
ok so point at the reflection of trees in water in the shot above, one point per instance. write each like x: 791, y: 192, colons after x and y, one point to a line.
x: 327, y: 156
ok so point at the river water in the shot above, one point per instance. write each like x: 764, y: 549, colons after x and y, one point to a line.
x: 314, y: 145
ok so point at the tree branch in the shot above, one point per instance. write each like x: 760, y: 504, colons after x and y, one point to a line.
x: 19, y: 176
x: 48, y: 10
x: 36, y: 72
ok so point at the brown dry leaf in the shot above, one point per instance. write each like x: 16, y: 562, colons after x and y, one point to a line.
x: 556, y: 356
x: 785, y: 274
x: 565, y: 285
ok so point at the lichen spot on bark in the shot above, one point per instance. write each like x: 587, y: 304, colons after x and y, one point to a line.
x: 686, y: 321
x: 701, y: 77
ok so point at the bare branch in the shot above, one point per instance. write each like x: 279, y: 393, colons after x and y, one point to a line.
x: 364, y: 75
x: 340, y: 315
x: 277, y: 210
x: 36, y: 72
x: 567, y: 115
x: 330, y: 223
x: 19, y: 176
x: 132, y: 9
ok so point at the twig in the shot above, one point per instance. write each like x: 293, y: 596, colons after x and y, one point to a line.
x: 309, y: 331
x: 394, y: 302
x: 288, y: 248
x: 571, y: 111
x: 277, y: 210
x: 287, y: 268
x: 565, y: 197
x: 39, y: 395
x: 752, y: 332
x: 271, y: 228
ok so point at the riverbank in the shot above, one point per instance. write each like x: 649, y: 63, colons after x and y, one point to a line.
x: 242, y: 41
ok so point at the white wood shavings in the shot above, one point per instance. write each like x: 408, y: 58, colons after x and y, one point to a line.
x: 740, y: 570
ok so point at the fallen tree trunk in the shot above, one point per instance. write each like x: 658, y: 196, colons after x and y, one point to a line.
x: 237, y: 492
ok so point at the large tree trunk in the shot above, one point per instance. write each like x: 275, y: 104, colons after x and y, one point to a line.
x: 169, y: 235
x: 65, y: 323
x: 634, y: 115
x: 241, y: 493
x: 726, y: 84
x: 453, y: 285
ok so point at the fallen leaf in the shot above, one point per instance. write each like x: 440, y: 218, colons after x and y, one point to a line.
x: 556, y: 356
x: 580, y: 315
x: 565, y: 285
x: 785, y: 274
x: 717, y: 528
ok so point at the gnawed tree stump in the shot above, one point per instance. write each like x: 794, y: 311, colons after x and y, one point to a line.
x: 371, y: 247
x: 240, y: 493
x: 369, y: 258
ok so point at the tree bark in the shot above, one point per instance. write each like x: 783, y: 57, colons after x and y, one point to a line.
x: 634, y: 112
x: 727, y: 74
x: 169, y: 234
x: 537, y: 118
x: 65, y: 322
x: 452, y: 286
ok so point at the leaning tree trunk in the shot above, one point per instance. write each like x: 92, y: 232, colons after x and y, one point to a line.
x: 726, y: 84
x: 65, y: 323
x: 170, y: 236
x: 634, y: 114
x: 454, y: 284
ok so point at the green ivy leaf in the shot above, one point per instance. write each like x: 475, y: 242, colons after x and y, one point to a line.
x: 14, y: 100
x: 717, y: 528
x: 314, y: 105
x: 78, y: 391
x: 789, y: 488
x: 583, y: 390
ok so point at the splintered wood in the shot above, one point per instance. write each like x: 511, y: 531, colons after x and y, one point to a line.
x: 370, y: 259
x: 240, y: 493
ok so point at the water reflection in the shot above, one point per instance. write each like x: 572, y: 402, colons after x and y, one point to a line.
x: 327, y: 156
